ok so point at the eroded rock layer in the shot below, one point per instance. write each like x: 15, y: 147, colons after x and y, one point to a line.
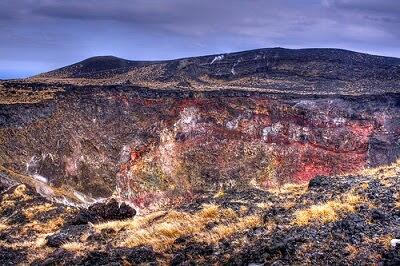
x: 161, y: 147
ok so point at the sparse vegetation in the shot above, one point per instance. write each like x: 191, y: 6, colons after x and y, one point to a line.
x: 327, y: 212
x: 224, y: 231
x: 382, y: 172
x: 289, y: 188
x: 35, y: 210
x: 49, y: 226
x: 20, y: 96
x: 3, y: 227
x: 175, y: 224
x: 254, y: 219
x: 73, y: 246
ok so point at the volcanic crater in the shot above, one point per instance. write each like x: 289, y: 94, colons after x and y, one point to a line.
x: 165, y: 135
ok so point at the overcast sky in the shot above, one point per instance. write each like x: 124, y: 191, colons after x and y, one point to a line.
x: 40, y: 35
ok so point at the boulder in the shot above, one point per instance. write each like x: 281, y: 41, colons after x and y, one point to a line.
x: 104, y: 211
x: 319, y: 181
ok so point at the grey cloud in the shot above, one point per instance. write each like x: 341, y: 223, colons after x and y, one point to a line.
x: 60, y: 31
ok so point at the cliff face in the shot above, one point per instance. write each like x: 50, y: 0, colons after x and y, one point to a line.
x: 157, y: 148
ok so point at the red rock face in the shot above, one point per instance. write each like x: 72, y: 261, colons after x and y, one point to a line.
x: 239, y: 142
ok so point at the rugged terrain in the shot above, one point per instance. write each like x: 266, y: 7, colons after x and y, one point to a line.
x: 343, y: 220
x: 305, y: 71
x: 214, y: 154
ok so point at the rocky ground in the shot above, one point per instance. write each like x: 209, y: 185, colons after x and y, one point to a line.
x: 203, y: 160
x: 346, y: 220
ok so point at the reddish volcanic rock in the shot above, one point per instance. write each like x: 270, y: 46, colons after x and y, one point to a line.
x: 162, y: 147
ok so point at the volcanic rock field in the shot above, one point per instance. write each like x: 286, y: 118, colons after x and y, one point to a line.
x: 271, y: 156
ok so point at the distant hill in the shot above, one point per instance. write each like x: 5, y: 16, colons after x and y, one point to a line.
x: 271, y: 69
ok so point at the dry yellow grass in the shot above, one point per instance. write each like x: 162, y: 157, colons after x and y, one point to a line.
x: 264, y: 205
x: 289, y: 188
x: 130, y: 224
x: 73, y: 246
x: 225, y: 230
x: 161, y: 235
x: 18, y: 96
x: 364, y: 186
x: 35, y: 210
x: 209, y: 211
x: 327, y: 212
x: 19, y: 193
x: 243, y: 209
x: 41, y: 240
x: 44, y: 228
x: 382, y: 172
x: 160, y: 231
x: 3, y: 227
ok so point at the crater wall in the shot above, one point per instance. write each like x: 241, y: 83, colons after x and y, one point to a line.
x: 162, y: 147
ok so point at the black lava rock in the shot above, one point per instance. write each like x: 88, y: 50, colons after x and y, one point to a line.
x: 319, y: 181
x: 57, y: 240
x: 101, y: 258
x: 272, y: 213
x: 66, y: 234
x: 378, y: 215
x: 10, y: 256
x: 392, y: 258
x: 141, y: 255
x: 178, y: 259
x: 111, y: 210
x: 59, y: 257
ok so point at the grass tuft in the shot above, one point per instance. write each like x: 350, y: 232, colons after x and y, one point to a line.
x: 327, y: 212
x: 163, y: 231
x: 73, y: 246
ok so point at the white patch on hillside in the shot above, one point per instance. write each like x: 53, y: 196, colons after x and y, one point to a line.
x: 188, y: 119
x: 394, y: 242
x: 40, y: 178
x: 217, y: 58
x: 271, y: 130
x: 32, y: 164
x: 338, y: 121
x: 125, y: 154
x: 168, y: 153
x: 233, y: 124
